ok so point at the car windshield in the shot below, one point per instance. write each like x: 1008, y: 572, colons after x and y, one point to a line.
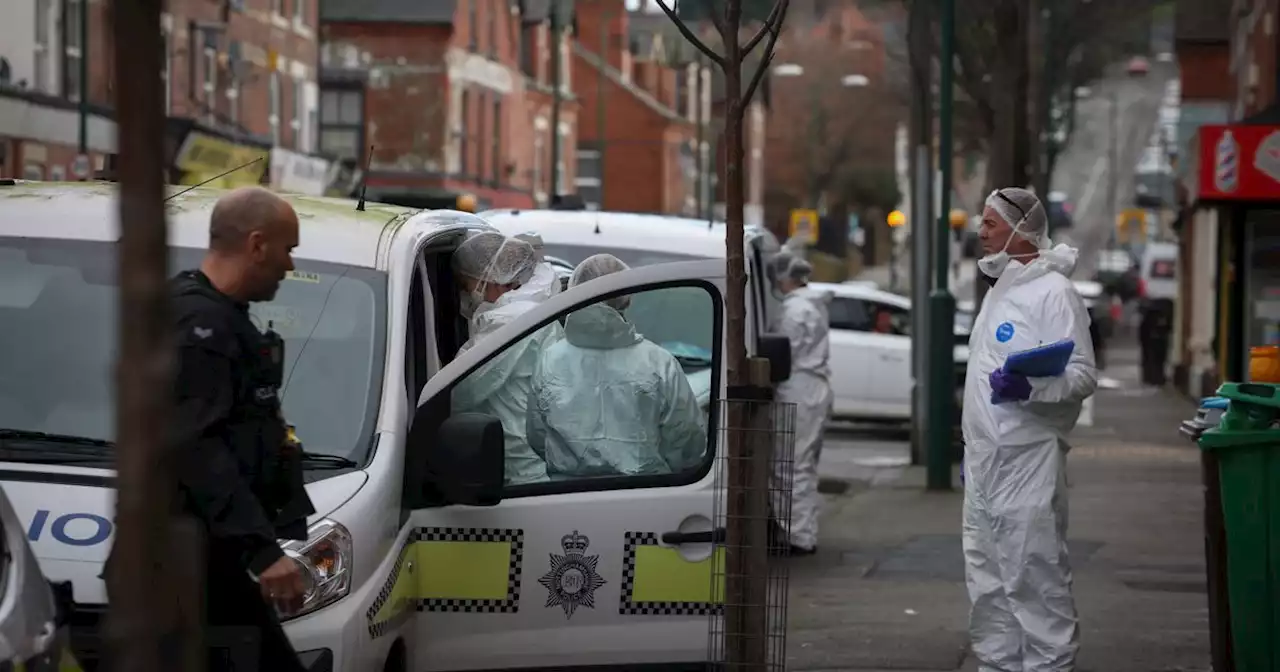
x: 58, y: 310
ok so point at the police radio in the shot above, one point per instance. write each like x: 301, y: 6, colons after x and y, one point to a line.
x: 273, y: 355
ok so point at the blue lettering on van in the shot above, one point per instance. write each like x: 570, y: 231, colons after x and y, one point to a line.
x: 58, y: 530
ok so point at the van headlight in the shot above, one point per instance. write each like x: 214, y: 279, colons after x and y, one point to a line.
x: 325, y: 559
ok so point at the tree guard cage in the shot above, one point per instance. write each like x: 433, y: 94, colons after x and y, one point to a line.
x: 753, y: 482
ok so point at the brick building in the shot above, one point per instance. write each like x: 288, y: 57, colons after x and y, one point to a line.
x: 240, y: 81
x: 452, y: 96
x: 637, y: 145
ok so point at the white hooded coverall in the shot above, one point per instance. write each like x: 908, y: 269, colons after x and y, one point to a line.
x: 809, y: 388
x: 607, y: 402
x: 500, y: 387
x: 543, y: 285
x: 1023, y: 616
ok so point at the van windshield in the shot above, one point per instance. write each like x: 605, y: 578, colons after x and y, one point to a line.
x: 58, y: 333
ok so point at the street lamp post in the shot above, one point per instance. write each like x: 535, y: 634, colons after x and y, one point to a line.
x: 940, y: 362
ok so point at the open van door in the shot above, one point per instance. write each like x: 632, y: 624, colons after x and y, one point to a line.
x: 607, y: 560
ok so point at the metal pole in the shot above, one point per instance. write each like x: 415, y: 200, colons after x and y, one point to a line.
x: 84, y: 77
x: 1112, y: 165
x: 921, y: 214
x: 601, y: 136
x: 557, y: 42
x: 153, y: 575
x: 1047, y: 73
x: 942, y: 305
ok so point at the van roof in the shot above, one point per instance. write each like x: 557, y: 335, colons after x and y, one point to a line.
x: 619, y: 230
x: 332, y: 229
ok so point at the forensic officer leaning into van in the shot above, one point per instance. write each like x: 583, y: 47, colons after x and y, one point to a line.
x: 490, y: 267
x: 238, y: 472
x: 606, y: 401
x: 1023, y: 616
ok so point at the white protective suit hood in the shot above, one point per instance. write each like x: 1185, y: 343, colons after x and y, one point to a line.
x: 543, y: 285
x: 607, y: 402
x: 500, y: 387
x: 1015, y: 509
x: 805, y: 322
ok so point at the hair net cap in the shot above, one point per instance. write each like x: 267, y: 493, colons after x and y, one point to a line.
x: 788, y: 265
x: 1020, y: 209
x: 531, y: 237
x: 494, y: 258
x: 595, y: 266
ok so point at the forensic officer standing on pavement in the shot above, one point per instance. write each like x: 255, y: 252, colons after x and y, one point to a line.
x: 239, y: 473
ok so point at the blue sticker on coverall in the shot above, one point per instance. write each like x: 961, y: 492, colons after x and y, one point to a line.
x: 1004, y: 332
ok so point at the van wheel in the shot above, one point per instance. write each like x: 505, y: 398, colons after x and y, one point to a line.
x: 396, y: 658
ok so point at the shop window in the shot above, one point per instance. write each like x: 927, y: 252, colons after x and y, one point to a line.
x: 33, y: 171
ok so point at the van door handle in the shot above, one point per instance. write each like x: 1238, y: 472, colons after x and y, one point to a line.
x: 715, y: 536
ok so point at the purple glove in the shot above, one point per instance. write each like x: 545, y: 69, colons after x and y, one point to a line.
x: 1009, y: 387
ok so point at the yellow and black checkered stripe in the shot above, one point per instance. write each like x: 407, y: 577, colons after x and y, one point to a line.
x: 657, y: 581
x: 455, y: 569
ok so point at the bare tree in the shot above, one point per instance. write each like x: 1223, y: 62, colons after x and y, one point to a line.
x: 747, y: 506
x: 726, y: 16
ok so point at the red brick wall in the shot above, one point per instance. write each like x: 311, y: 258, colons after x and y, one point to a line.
x: 1205, y: 71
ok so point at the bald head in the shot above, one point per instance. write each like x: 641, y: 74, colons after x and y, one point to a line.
x: 252, y: 233
x: 242, y: 212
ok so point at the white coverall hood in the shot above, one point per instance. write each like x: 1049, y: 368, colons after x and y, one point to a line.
x: 809, y: 388
x: 607, y: 402
x: 500, y: 387
x: 543, y: 285
x: 1022, y: 615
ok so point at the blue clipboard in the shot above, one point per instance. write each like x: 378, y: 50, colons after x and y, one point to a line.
x: 1045, y: 361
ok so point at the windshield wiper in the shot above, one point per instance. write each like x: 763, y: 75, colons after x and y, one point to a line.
x: 7, y: 435
x: 322, y: 461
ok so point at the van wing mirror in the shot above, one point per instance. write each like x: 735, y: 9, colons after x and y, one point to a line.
x: 777, y: 349
x: 463, y: 459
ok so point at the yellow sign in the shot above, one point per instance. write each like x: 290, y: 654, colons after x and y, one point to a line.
x: 204, y: 157
x: 804, y: 223
x: 896, y: 219
x: 1131, y: 223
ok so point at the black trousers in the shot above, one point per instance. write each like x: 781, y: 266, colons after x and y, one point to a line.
x: 243, y: 632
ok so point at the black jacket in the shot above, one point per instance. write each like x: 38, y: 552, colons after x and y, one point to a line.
x: 235, y: 474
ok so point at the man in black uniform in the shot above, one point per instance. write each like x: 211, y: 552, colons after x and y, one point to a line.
x: 237, y: 473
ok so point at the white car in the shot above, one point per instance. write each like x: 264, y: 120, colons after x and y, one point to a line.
x: 420, y: 555
x: 871, y: 352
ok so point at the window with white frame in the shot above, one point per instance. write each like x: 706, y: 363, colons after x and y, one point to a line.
x: 40, y: 80
x: 300, y: 12
x: 341, y: 122
x: 589, y: 174
x: 209, y: 84
x: 74, y: 51
x: 277, y: 7
x: 562, y: 138
x: 273, y: 118
x: 539, y: 159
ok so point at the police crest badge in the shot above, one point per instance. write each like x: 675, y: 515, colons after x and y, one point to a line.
x: 573, y: 580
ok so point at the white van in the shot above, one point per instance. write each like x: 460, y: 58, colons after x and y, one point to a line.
x: 419, y: 556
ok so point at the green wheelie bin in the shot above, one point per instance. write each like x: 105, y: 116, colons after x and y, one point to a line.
x: 1247, y: 446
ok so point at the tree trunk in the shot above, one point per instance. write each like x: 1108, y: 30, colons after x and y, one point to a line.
x: 735, y: 293
x: 152, y: 579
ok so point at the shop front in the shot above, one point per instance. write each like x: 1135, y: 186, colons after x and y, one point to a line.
x: 203, y: 156
x: 1239, y: 176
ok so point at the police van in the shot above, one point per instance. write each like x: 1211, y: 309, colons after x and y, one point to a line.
x: 419, y: 556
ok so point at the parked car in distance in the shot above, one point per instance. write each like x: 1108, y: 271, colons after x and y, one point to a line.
x: 1138, y: 66
x: 871, y: 352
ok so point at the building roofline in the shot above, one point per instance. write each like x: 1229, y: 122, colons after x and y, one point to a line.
x: 646, y: 98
